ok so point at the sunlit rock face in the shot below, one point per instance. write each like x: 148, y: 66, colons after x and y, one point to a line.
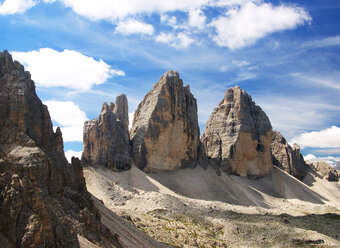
x: 238, y: 135
x: 106, y: 139
x: 165, y: 132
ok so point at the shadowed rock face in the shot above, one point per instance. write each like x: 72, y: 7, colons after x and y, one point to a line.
x: 43, y: 199
x: 106, y: 139
x: 286, y: 157
x: 165, y: 133
x: 238, y: 135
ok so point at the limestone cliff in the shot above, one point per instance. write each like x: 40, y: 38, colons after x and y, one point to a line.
x: 106, y: 139
x: 43, y: 199
x: 286, y: 157
x: 238, y: 135
x: 165, y: 133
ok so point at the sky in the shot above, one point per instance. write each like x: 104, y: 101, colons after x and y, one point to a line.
x: 285, y: 54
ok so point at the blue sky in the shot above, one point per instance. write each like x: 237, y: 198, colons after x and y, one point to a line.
x: 285, y: 54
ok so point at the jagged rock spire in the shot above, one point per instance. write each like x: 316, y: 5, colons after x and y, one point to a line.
x: 165, y: 133
x: 238, y: 134
x: 106, y: 139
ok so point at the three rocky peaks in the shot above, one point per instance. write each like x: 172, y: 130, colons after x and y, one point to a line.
x: 43, y: 199
x: 238, y: 138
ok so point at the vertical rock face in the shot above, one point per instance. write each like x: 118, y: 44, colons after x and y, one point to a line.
x: 43, y: 199
x: 286, y: 157
x: 106, y: 139
x: 238, y: 134
x: 165, y: 133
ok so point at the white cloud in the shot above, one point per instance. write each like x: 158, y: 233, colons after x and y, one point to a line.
x: 181, y: 40
x: 69, y: 117
x: 170, y: 20
x: 240, y: 63
x: 71, y: 69
x: 331, y: 160
x: 245, y: 25
x: 133, y: 26
x: 69, y: 154
x: 10, y: 7
x: 329, y: 137
x: 196, y: 18
x: 117, y: 9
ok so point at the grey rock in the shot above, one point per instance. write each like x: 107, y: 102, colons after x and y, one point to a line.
x: 286, y: 157
x: 237, y: 136
x: 165, y: 133
x: 43, y: 199
x: 106, y: 139
x: 326, y: 171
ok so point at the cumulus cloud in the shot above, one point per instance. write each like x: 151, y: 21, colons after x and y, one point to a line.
x: 180, y: 40
x: 70, y: 69
x: 10, y: 7
x: 117, y: 9
x: 69, y: 154
x: 69, y: 117
x: 329, y: 137
x: 133, y: 26
x: 196, y: 18
x: 243, y: 26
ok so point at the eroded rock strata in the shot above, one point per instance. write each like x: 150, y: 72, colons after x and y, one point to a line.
x: 238, y: 135
x: 43, y: 199
x: 106, y: 139
x: 286, y: 157
x: 165, y: 133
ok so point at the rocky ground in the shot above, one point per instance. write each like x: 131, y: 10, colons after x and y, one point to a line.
x: 198, y: 208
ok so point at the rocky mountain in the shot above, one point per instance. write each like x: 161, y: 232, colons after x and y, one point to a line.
x: 286, y: 157
x: 325, y: 171
x: 238, y: 135
x: 165, y: 133
x: 43, y: 199
x: 106, y: 139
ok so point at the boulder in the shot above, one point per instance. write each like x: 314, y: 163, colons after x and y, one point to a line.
x: 165, y: 132
x: 106, y: 139
x: 286, y: 157
x: 238, y: 135
x: 43, y: 199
